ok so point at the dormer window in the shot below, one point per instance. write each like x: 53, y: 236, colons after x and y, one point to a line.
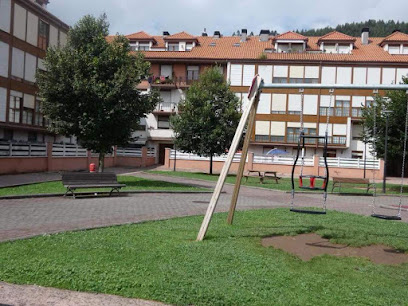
x: 290, y: 42
x: 394, y: 49
x: 396, y: 43
x: 173, y: 47
x: 144, y: 47
x: 336, y: 42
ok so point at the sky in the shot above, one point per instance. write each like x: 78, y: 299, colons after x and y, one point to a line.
x: 192, y: 16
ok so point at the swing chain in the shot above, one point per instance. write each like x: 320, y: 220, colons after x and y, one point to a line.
x: 403, y: 160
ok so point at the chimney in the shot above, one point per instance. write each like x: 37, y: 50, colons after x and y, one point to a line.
x: 165, y: 33
x: 364, y: 36
x: 217, y: 34
x: 204, y: 32
x: 264, y: 35
x: 244, y: 33
x: 396, y: 30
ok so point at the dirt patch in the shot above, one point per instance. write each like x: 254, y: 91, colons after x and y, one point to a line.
x: 307, y: 246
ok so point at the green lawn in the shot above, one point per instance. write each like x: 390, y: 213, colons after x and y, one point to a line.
x: 284, y: 183
x: 161, y: 261
x: 132, y: 183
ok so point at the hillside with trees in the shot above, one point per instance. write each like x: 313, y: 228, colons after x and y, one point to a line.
x: 378, y: 28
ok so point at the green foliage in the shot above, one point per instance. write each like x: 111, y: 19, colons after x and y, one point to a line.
x: 396, y: 102
x: 161, y: 261
x: 262, y: 56
x: 378, y: 28
x: 132, y: 183
x: 89, y: 87
x: 209, y: 116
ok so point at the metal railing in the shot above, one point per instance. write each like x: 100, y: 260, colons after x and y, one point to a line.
x: 281, y: 160
x: 167, y: 107
x: 357, y: 163
x: 68, y: 150
x: 22, y: 149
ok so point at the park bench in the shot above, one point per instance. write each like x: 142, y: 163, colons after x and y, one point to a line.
x: 338, y: 181
x: 262, y: 175
x: 75, y: 180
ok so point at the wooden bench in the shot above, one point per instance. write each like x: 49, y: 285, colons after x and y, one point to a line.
x: 262, y: 175
x: 338, y: 181
x: 75, y: 180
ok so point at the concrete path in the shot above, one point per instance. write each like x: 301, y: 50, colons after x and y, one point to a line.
x: 35, y: 296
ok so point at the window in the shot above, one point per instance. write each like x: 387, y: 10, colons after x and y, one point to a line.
x: 394, y: 49
x: 32, y: 137
x: 279, y: 80
x: 293, y: 134
x: 163, y: 122
x: 311, y: 80
x: 28, y: 115
x: 356, y: 112
x: 189, y: 46
x: 342, y: 108
x: 14, y: 109
x: 324, y: 111
x: 8, y: 135
x: 43, y: 35
x: 173, y: 47
x: 357, y: 154
x: 295, y: 80
x: 144, y: 47
x: 192, y: 73
x: 38, y: 116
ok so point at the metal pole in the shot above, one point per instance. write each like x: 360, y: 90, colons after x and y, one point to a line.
x: 365, y: 157
x: 385, y: 152
x: 175, y: 157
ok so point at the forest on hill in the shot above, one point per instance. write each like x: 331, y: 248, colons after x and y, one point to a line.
x: 378, y: 28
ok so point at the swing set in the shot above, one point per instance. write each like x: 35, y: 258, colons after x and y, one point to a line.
x: 248, y: 116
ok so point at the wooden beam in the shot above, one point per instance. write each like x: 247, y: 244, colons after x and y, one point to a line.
x: 253, y: 95
x: 251, y: 123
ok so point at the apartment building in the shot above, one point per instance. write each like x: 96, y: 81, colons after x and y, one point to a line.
x: 27, y: 29
x: 177, y: 60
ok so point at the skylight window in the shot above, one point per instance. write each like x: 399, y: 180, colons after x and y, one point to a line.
x: 237, y: 45
x: 213, y: 44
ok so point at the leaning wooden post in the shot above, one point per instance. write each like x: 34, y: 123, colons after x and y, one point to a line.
x: 242, y: 162
x: 252, y: 96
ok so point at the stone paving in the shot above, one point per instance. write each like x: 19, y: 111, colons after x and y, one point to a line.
x: 20, y: 218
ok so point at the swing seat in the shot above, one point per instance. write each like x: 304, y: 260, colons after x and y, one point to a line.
x: 312, y: 180
x: 305, y: 211
x: 385, y: 217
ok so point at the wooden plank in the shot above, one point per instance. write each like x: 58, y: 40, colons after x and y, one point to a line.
x: 254, y: 95
x: 242, y: 162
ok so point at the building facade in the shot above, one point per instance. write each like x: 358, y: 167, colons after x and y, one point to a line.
x: 178, y: 60
x: 27, y: 29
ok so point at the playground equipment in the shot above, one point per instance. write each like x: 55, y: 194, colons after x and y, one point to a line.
x: 249, y: 115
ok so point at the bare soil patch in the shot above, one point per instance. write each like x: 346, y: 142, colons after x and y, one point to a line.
x: 307, y: 246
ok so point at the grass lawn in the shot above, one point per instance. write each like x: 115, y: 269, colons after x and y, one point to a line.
x: 132, y: 183
x: 284, y: 183
x: 161, y: 261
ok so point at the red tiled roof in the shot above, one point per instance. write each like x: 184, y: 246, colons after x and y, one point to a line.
x: 140, y: 36
x: 395, y: 37
x: 290, y: 36
x: 226, y: 49
x: 180, y: 36
x: 336, y: 36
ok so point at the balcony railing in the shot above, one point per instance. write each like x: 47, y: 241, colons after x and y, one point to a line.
x: 168, y: 107
x: 335, y: 140
x: 171, y: 81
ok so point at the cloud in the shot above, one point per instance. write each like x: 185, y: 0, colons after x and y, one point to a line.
x: 128, y: 16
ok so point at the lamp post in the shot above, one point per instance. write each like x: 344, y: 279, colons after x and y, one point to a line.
x: 387, y: 113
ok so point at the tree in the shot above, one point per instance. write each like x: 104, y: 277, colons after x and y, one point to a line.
x: 209, y: 117
x: 395, y: 101
x: 89, y: 88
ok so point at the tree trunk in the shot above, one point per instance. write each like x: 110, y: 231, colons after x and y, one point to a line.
x: 101, y: 165
x: 211, y: 164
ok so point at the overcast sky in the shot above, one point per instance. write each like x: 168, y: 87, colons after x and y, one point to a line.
x: 227, y: 16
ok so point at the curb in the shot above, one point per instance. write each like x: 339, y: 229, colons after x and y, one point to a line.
x: 123, y: 193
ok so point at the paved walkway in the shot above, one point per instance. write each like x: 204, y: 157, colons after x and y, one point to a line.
x: 11, y: 294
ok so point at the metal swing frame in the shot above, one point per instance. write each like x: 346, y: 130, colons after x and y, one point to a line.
x: 249, y: 116
x: 301, y: 147
x: 396, y: 217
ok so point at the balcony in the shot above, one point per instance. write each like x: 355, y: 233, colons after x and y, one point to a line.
x: 166, y: 108
x: 171, y: 82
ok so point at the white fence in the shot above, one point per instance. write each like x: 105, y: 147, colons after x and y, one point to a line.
x: 191, y: 156
x: 68, y: 150
x: 357, y: 163
x: 281, y: 160
x: 151, y: 152
x: 9, y: 149
x: 131, y: 152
